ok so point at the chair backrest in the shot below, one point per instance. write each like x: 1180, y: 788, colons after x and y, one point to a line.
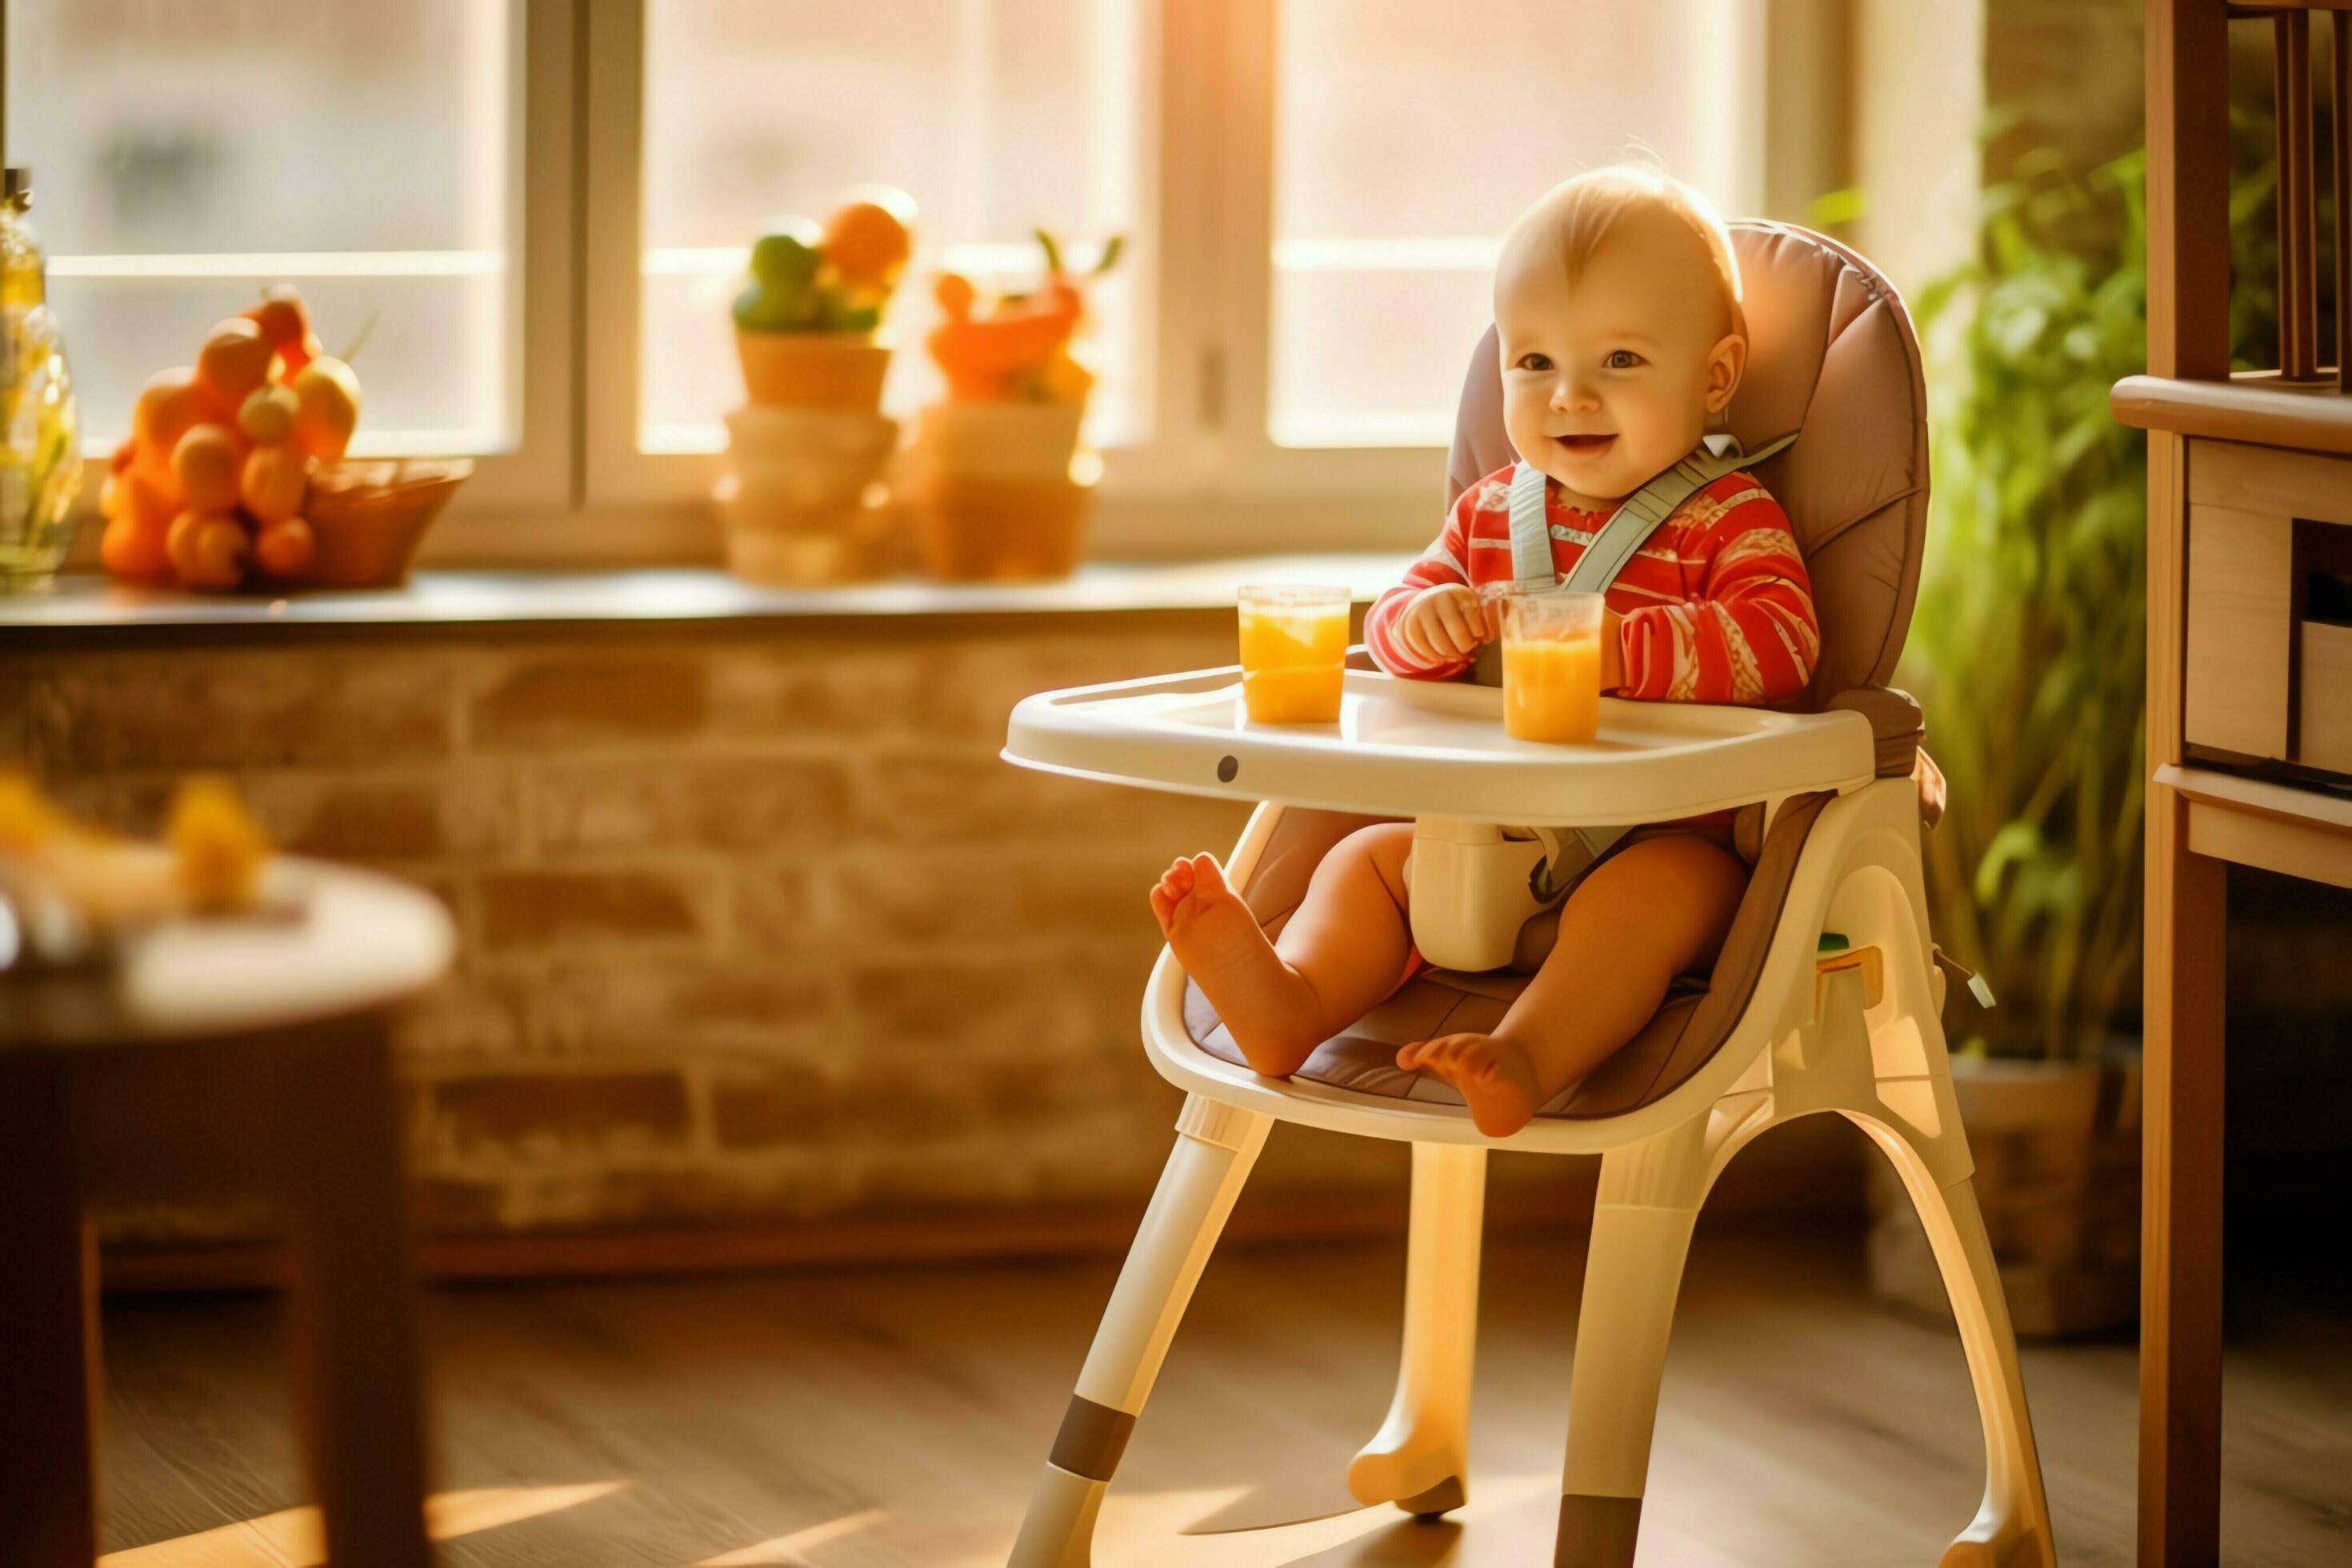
x: 1832, y: 356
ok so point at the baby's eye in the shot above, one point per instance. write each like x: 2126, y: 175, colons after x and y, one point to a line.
x: 1534, y: 361
x: 1622, y: 359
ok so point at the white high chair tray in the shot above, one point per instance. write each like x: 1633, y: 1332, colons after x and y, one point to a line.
x: 1436, y: 748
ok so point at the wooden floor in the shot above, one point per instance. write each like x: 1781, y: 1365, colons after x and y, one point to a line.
x: 897, y: 1417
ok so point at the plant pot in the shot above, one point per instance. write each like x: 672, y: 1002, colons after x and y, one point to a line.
x: 2056, y: 1148
x: 813, y: 549
x: 369, y: 515
x: 978, y: 530
x: 808, y: 459
x: 813, y: 370
x: 1009, y: 443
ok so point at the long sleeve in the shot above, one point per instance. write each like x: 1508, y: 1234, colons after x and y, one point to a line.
x: 1447, y: 560
x: 1749, y: 634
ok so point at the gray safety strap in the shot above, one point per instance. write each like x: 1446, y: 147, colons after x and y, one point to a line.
x: 1615, y: 542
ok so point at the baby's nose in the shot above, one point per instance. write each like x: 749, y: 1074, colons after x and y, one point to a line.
x: 1567, y: 395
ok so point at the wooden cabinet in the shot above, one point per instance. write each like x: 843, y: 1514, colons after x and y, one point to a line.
x: 2268, y: 597
x: 2249, y: 661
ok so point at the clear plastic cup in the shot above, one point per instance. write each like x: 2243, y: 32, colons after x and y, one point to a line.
x: 1551, y: 664
x: 1294, y: 653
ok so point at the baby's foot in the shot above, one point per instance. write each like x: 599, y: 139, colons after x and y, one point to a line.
x: 1496, y: 1076
x: 1267, y: 1005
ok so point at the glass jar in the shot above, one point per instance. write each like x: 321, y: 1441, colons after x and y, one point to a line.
x: 40, y: 430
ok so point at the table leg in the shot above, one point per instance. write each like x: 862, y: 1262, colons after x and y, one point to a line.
x: 356, y: 1362
x: 48, y: 1327
x: 2180, y: 1214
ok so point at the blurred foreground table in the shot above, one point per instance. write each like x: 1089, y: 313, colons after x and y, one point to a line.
x: 238, y: 1058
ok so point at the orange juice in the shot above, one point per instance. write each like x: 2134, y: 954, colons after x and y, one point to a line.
x: 1292, y: 661
x: 1551, y: 688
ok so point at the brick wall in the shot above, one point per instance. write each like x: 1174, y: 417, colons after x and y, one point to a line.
x: 755, y: 925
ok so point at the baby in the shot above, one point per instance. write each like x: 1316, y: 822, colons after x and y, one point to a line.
x: 1617, y: 304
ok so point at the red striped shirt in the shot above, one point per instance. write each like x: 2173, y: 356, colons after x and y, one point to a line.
x: 1716, y: 607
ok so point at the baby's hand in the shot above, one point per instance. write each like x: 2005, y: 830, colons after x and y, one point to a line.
x: 1443, y: 624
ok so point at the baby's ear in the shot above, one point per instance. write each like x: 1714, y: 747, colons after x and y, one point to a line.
x: 1727, y: 363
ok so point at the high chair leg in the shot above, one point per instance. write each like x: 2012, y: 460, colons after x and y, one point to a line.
x: 1419, y: 1460
x: 1649, y: 1200
x: 2011, y: 1528
x: 1216, y: 1145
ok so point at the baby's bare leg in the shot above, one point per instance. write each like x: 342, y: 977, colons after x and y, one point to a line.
x: 1653, y: 911
x: 1339, y: 954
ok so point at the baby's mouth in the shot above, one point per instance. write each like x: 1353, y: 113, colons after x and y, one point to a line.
x: 1586, y: 446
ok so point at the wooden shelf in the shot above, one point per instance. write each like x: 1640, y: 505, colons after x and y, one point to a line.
x: 2304, y: 833
x: 2313, y: 418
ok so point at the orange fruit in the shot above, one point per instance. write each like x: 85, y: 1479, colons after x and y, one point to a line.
x: 168, y: 405
x: 207, y: 549
x: 284, y: 320
x: 206, y: 464
x: 869, y: 236
x: 233, y: 362
x: 286, y: 547
x: 327, y: 408
x: 133, y: 548
x: 144, y: 494
x: 274, y: 481
x: 268, y: 415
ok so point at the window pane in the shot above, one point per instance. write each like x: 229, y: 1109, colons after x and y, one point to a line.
x: 997, y: 116
x: 185, y: 153
x: 1410, y: 133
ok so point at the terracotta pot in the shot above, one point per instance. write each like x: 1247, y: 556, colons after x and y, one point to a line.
x: 813, y: 370
x: 2056, y: 1147
x: 984, y: 531
x: 370, y: 515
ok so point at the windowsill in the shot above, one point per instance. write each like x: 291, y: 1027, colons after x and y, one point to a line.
x: 85, y: 607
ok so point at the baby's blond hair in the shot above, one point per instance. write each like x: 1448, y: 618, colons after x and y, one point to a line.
x: 1577, y: 214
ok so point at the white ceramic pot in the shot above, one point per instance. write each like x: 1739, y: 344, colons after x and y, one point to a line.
x: 997, y: 442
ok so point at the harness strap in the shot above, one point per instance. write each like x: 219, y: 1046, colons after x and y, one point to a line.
x: 1618, y: 540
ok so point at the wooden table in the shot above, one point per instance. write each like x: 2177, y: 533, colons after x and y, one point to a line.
x: 2249, y: 698
x: 229, y: 1058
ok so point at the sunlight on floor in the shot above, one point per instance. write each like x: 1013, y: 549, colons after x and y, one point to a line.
x: 1503, y: 1513
x: 293, y: 1537
x: 786, y: 1549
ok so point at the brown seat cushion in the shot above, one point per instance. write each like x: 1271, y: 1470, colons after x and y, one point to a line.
x: 1696, y: 1019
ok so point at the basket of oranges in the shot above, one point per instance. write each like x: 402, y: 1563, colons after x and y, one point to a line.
x: 234, y: 472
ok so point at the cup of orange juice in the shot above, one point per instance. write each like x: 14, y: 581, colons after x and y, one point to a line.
x: 1551, y: 664
x: 1294, y: 653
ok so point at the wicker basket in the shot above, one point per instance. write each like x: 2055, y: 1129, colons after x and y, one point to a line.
x: 369, y: 516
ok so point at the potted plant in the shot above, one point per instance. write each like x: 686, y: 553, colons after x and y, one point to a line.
x: 993, y: 474
x: 2027, y: 649
x: 803, y: 499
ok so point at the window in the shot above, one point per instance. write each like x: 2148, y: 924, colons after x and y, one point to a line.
x: 543, y: 206
x: 185, y: 156
x: 1032, y: 118
x: 1407, y: 138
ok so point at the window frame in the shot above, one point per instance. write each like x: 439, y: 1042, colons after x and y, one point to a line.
x: 534, y: 474
x: 1209, y: 480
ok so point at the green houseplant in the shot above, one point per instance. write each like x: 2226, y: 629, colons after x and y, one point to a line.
x: 2027, y: 649
x: 2029, y: 643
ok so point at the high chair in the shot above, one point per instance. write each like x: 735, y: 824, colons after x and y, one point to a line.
x: 1793, y: 1020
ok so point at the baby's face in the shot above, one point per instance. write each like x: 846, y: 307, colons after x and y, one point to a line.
x: 1607, y: 381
